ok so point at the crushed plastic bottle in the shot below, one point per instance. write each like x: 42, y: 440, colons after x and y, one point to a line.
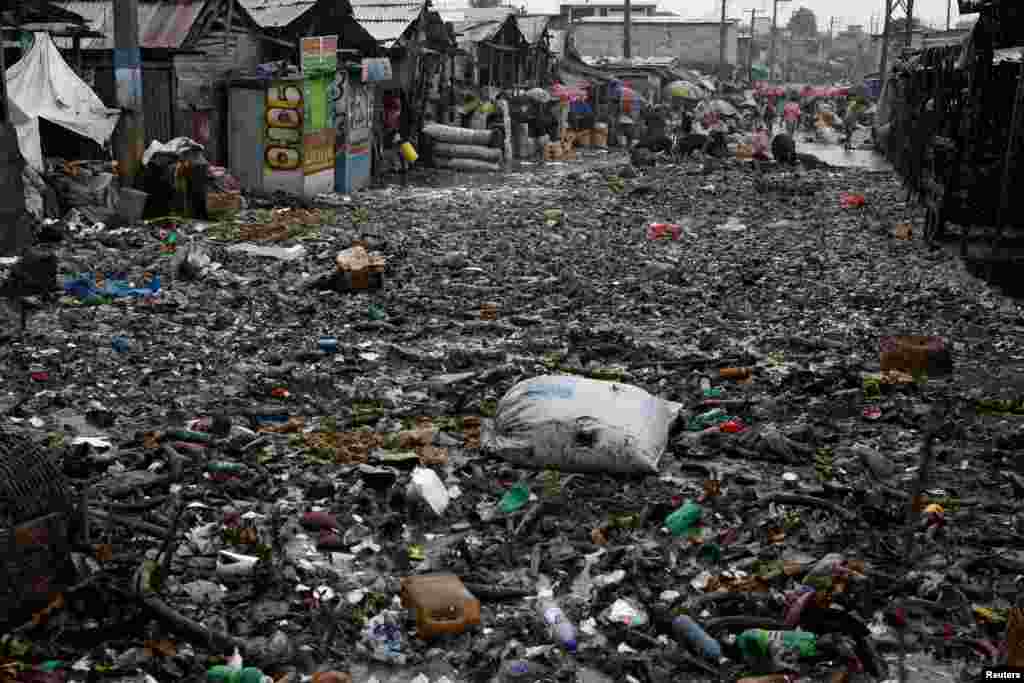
x: 229, y: 674
x: 780, y: 649
x: 684, y: 519
x: 687, y: 630
x: 560, y: 629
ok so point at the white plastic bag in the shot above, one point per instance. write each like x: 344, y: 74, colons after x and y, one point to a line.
x: 429, y: 488
x: 580, y: 425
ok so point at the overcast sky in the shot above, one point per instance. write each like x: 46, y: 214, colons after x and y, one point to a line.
x: 932, y: 12
x: 845, y: 11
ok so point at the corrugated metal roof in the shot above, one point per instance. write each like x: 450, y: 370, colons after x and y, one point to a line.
x: 533, y: 27
x: 475, y: 31
x: 386, y: 20
x: 276, y: 13
x: 161, y: 24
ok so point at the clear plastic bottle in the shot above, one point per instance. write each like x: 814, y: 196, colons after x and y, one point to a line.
x: 559, y: 628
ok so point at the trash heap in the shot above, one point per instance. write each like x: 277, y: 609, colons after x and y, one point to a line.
x: 766, y: 439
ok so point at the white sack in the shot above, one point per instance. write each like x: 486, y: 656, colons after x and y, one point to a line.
x: 42, y: 85
x: 580, y: 425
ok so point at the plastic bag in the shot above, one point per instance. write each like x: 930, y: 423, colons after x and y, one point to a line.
x: 580, y: 425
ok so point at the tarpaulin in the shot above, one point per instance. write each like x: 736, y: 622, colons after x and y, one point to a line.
x: 42, y: 85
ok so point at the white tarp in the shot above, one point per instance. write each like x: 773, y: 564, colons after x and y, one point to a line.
x: 42, y: 85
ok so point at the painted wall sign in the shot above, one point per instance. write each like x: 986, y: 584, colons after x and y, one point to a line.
x: 283, y: 138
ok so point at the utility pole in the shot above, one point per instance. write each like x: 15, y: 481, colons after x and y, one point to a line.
x: 775, y: 21
x: 627, y: 31
x: 910, y: 23
x: 15, y: 236
x: 131, y: 133
x: 750, y: 46
x: 827, y: 52
x: 723, y: 33
x: 949, y: 12
x: 885, y: 40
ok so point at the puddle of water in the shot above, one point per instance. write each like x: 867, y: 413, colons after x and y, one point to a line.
x: 835, y: 155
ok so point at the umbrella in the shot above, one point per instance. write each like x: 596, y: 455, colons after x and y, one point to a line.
x: 539, y: 95
x: 722, y: 107
x: 683, y: 89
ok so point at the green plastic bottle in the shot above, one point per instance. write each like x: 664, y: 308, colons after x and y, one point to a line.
x: 226, y: 674
x: 758, y: 643
x: 515, y: 498
x: 684, y: 519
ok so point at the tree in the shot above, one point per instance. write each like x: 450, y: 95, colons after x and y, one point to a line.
x: 803, y: 24
x: 479, y: 4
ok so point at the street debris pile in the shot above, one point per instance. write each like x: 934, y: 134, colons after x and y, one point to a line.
x: 588, y: 425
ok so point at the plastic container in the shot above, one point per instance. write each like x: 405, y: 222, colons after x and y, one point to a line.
x: 442, y: 603
x: 686, y: 629
x: 131, y: 204
x: 735, y: 373
x: 684, y: 519
x: 409, y: 152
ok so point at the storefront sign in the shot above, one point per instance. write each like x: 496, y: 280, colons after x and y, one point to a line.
x: 376, y: 70
x: 319, y: 54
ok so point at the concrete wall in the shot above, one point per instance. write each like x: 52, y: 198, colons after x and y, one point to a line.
x: 687, y: 42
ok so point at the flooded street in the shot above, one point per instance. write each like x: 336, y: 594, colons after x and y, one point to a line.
x: 835, y: 155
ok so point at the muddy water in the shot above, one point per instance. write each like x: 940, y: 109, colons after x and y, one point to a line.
x: 835, y: 155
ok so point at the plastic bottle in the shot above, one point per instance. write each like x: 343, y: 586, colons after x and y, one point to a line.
x: 227, y: 674
x: 684, y: 519
x: 686, y: 629
x: 522, y: 670
x: 559, y: 627
x: 758, y: 643
x: 770, y: 678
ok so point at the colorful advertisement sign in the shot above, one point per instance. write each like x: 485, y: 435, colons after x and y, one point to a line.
x: 353, y: 121
x: 319, y: 55
x: 376, y: 70
x: 283, y: 117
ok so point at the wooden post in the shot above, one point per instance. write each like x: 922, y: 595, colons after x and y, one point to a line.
x: 229, y: 29
x: 15, y: 236
x: 1008, y: 160
x: 723, y: 33
x: 627, y: 31
x: 128, y: 76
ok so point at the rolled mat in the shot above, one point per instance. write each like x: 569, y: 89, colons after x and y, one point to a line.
x: 459, y: 136
x: 472, y: 165
x: 446, y: 149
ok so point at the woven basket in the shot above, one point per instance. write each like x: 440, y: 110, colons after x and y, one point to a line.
x: 35, y: 507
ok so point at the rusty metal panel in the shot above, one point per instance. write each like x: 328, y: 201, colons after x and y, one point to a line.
x: 157, y: 94
x: 162, y: 24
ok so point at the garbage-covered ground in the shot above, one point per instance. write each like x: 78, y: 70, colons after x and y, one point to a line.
x: 206, y: 419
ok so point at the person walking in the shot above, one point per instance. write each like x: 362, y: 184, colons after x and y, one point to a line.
x: 791, y: 113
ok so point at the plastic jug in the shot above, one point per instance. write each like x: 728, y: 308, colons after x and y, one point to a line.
x: 442, y: 603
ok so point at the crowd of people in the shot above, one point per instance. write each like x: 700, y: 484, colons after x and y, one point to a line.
x: 701, y: 125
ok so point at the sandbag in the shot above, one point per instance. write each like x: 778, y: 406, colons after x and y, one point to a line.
x: 447, y: 149
x: 471, y: 165
x: 580, y: 425
x: 457, y: 135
